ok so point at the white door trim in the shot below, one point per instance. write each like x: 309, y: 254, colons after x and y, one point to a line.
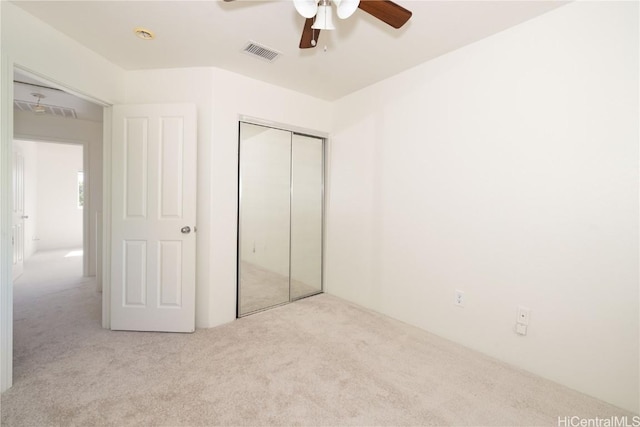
x: 6, y: 254
x: 106, y: 216
x: 18, y: 220
x: 283, y: 126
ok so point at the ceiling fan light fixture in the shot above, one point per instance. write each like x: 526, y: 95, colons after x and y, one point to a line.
x: 324, y: 18
x: 306, y: 8
x: 346, y: 8
x: 38, y: 109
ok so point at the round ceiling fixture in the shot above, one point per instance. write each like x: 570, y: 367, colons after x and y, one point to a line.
x: 38, y: 109
x: 144, y: 33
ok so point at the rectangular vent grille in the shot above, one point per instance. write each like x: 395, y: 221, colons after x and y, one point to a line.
x: 262, y: 52
x: 52, y: 110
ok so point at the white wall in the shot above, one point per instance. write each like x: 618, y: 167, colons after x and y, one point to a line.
x: 59, y: 220
x: 37, y: 47
x: 90, y: 135
x: 507, y: 169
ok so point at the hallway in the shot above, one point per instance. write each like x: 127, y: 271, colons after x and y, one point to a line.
x: 49, y: 296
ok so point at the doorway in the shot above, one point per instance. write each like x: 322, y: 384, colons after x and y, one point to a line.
x: 49, y: 198
x: 280, y: 217
x: 58, y: 138
x: 14, y: 128
x: 45, y: 113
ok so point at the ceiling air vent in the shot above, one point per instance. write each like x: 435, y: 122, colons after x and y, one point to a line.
x: 52, y: 110
x: 262, y: 52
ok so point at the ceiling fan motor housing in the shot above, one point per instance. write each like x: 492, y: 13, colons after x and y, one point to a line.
x: 318, y: 15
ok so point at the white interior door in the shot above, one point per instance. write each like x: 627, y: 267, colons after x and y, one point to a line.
x: 17, y: 228
x: 153, y: 214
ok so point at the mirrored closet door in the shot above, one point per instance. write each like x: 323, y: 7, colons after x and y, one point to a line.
x: 280, y: 217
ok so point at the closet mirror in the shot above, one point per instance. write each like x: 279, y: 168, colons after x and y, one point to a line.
x: 279, y: 217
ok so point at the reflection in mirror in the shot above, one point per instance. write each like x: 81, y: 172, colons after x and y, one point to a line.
x: 306, y: 215
x: 265, y: 156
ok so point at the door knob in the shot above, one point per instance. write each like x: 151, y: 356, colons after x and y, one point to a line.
x: 185, y: 230
x: 25, y: 216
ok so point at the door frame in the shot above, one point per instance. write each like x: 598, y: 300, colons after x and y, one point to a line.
x: 7, y: 67
x: 87, y: 187
x: 18, y: 194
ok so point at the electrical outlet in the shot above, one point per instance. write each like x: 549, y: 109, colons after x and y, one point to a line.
x: 524, y: 315
x: 459, y: 301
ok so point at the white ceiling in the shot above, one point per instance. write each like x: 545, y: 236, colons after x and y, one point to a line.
x: 361, y: 51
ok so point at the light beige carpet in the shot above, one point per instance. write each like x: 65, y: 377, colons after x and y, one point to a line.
x: 261, y: 288
x: 318, y: 361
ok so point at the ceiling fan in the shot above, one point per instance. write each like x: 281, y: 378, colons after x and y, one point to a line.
x: 320, y: 16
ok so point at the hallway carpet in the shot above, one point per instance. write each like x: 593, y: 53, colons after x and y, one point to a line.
x: 318, y: 361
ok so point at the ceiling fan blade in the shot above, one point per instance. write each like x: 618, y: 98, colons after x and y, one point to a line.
x: 386, y: 11
x: 308, y: 34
